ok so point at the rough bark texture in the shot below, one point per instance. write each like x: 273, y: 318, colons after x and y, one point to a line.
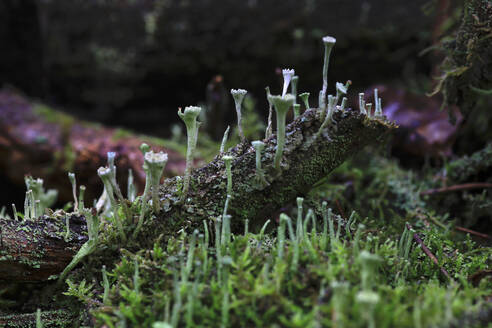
x: 59, y: 318
x: 35, y: 250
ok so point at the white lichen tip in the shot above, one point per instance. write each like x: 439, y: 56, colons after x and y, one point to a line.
x: 159, y: 158
x: 103, y: 171
x: 282, y: 103
x: 288, y: 73
x: 227, y: 158
x: 329, y: 39
x: 341, y: 88
x: 238, y: 94
x: 190, y: 113
x: 258, y: 145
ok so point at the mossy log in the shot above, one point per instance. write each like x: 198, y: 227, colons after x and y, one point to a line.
x: 58, y: 318
x: 33, y: 251
x: 306, y: 159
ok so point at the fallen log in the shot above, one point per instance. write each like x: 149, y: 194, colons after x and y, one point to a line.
x: 38, y: 250
x: 308, y: 157
x: 45, y: 143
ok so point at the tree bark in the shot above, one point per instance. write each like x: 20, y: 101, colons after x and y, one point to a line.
x: 32, y: 251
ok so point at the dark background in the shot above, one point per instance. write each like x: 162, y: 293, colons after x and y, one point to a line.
x: 132, y: 63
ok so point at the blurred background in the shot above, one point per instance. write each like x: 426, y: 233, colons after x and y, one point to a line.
x: 132, y: 63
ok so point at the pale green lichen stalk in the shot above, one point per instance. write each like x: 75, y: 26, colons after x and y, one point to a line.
x: 106, y: 174
x: 368, y: 300
x: 369, y: 263
x: 81, y: 198
x: 299, y: 202
x: 224, y: 139
x: 344, y: 103
x: 131, y: 189
x: 326, y: 115
x: 39, y: 322
x: 281, y: 235
x: 238, y: 95
x: 282, y: 106
x: 114, y: 183
x: 144, y: 148
x: 362, y: 104
x: 153, y: 166
x: 260, y: 174
x: 71, y: 177
x: 297, y: 110
x: 189, y: 117
x: 90, y: 246
x: 155, y: 163
x: 14, y: 211
x: 378, y: 112
x: 268, y: 130
x: 369, y: 108
x: 228, y: 164
x: 305, y: 99
x: 293, y: 87
x: 328, y: 42
x: 29, y: 207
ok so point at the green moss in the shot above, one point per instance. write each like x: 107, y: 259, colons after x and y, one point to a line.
x: 270, y: 291
x: 53, y: 116
x: 462, y: 169
x: 121, y: 134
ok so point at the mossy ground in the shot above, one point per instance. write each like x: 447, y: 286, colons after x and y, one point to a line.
x: 249, y: 281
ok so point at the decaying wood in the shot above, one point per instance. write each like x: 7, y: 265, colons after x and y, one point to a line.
x: 46, y: 144
x: 58, y: 318
x: 305, y: 161
x: 37, y: 250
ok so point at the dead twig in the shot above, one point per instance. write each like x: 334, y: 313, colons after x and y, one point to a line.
x: 427, y: 251
x: 473, y: 232
x: 464, y: 186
